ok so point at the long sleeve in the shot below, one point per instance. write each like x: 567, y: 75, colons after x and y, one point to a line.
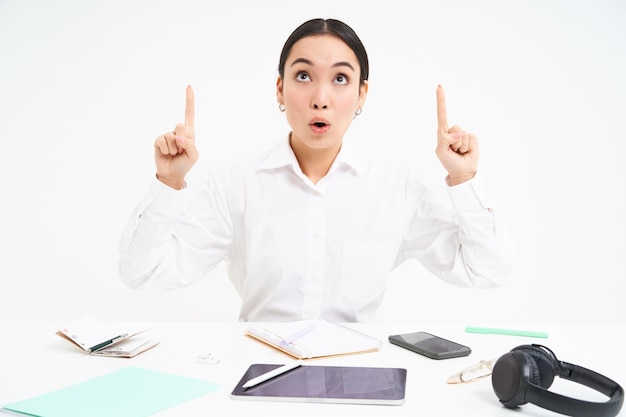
x: 469, y: 247
x: 173, y: 238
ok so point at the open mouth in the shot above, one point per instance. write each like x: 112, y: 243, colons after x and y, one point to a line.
x: 319, y: 125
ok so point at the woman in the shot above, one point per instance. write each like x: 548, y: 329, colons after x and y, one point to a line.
x: 312, y: 227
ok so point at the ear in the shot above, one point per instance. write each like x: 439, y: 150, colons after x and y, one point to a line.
x: 362, y: 94
x: 279, y: 90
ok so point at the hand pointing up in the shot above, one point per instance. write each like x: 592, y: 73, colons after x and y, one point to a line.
x: 456, y: 149
x: 175, y: 152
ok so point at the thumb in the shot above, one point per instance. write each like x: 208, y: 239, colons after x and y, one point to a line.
x: 187, y: 145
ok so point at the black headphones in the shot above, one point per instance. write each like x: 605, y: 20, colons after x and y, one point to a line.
x: 524, y: 375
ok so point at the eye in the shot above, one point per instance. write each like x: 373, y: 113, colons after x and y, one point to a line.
x: 341, y: 79
x: 303, y: 76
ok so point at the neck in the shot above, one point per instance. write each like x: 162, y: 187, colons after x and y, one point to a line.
x: 314, y: 163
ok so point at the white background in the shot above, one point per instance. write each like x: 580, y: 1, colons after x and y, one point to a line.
x: 86, y: 86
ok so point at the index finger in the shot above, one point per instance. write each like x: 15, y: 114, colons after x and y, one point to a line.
x: 189, y: 108
x: 442, y: 115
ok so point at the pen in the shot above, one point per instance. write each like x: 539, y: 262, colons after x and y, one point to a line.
x: 509, y: 332
x: 297, y: 335
x: 107, y: 342
x: 271, y: 374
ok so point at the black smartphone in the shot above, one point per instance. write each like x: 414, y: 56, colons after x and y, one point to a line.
x: 429, y: 345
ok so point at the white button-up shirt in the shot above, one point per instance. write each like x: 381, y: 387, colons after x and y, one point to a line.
x: 296, y: 250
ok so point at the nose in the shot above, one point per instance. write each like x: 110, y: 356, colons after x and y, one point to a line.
x: 320, y: 98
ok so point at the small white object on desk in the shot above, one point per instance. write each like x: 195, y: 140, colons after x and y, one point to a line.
x: 208, y: 358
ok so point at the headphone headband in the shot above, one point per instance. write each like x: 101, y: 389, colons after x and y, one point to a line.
x: 517, y: 379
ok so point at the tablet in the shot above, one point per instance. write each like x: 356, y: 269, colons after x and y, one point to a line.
x: 326, y: 384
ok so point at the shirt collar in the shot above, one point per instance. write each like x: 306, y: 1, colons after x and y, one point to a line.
x: 282, y: 155
x: 349, y: 156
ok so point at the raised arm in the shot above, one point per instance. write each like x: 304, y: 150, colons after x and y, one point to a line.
x: 170, y: 241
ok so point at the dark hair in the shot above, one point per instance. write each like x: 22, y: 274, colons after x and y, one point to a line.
x: 333, y: 27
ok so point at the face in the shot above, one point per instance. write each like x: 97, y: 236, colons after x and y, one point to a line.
x: 320, y: 91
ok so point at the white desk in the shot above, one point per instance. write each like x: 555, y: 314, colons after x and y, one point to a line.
x: 33, y: 360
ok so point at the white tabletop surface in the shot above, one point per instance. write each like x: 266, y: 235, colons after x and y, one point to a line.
x: 33, y: 361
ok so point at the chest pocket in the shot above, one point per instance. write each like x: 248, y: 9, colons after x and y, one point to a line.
x: 364, y: 269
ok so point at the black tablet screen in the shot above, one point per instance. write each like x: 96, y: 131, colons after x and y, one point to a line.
x: 337, y: 384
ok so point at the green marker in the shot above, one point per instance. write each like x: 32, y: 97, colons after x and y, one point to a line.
x: 508, y: 332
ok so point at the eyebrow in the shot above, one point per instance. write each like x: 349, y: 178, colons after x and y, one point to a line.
x: 309, y: 62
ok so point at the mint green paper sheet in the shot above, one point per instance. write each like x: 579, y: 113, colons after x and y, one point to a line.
x: 128, y: 392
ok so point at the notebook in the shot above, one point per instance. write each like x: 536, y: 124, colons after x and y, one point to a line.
x: 326, y: 384
x: 313, y: 338
x: 105, y: 339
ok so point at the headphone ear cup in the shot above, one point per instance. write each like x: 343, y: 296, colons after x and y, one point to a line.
x: 534, y: 372
x: 508, y: 380
x: 545, y: 366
